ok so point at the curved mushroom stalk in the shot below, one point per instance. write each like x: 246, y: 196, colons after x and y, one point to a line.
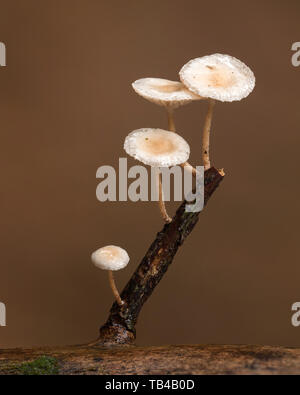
x: 187, y: 166
x: 206, y: 135
x: 114, y: 288
x: 161, y: 202
x: 171, y: 122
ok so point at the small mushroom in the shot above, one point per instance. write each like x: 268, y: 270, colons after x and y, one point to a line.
x: 169, y: 94
x: 216, y: 77
x: 157, y: 148
x: 111, y: 258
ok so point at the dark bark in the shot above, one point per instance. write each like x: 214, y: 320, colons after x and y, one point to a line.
x: 120, y: 326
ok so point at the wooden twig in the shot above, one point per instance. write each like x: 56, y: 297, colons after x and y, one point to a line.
x: 120, y: 326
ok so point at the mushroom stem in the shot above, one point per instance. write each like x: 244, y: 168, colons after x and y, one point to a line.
x: 161, y: 202
x: 172, y: 128
x: 171, y: 123
x: 206, y: 135
x: 189, y: 167
x: 114, y: 288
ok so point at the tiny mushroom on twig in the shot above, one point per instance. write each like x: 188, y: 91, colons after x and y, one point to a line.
x: 157, y: 148
x: 169, y: 94
x: 216, y: 77
x: 111, y: 258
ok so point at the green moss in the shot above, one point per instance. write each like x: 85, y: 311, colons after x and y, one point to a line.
x: 42, y: 366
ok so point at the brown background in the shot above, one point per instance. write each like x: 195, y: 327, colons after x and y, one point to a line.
x: 65, y: 107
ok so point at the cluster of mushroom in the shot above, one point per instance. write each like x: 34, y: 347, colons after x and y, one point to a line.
x: 213, y: 78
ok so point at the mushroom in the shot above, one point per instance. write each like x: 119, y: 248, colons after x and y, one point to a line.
x: 157, y: 148
x: 111, y: 258
x: 169, y: 94
x: 216, y: 77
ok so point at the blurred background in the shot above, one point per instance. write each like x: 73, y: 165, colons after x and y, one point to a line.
x: 66, y: 105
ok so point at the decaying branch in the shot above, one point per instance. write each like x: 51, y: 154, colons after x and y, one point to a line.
x: 179, y: 359
x: 120, y: 326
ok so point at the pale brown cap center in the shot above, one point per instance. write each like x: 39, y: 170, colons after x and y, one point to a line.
x: 223, y: 79
x: 168, y: 88
x: 157, y: 145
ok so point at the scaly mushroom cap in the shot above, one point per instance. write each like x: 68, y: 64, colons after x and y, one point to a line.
x: 157, y: 147
x: 164, y: 92
x: 110, y: 258
x: 220, y: 77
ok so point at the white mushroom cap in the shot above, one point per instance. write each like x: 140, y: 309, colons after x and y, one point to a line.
x: 157, y: 147
x: 164, y: 92
x: 220, y: 77
x: 110, y: 258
